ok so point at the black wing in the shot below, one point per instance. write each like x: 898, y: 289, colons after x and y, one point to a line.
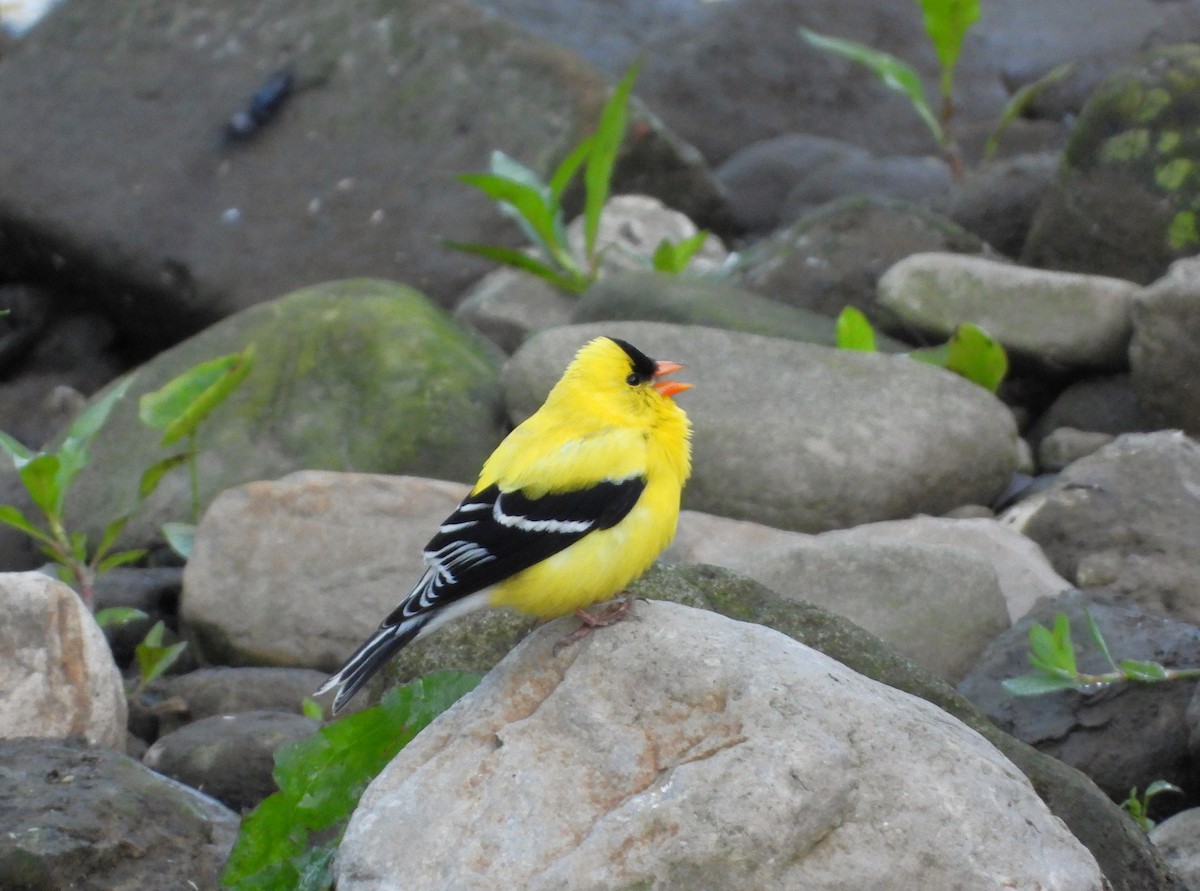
x: 493, y: 535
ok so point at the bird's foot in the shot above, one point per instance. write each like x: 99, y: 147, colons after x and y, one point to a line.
x: 610, y: 615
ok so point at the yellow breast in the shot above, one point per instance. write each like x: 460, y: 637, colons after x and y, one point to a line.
x: 599, y: 565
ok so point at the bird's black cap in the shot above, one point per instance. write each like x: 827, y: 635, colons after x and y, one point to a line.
x: 643, y: 365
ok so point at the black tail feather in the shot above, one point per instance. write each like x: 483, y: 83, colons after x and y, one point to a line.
x: 369, y: 658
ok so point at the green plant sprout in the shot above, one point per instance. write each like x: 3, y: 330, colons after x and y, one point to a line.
x: 1019, y: 102
x: 113, y: 616
x: 1052, y: 655
x: 153, y: 658
x: 180, y: 406
x: 1138, y: 807
x: 946, y: 24
x: 48, y: 477
x: 970, y: 352
x: 320, y: 780
x: 310, y: 708
x: 672, y: 258
x: 537, y: 205
x: 854, y: 332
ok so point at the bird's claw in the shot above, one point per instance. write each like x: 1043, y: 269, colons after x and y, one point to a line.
x: 610, y: 615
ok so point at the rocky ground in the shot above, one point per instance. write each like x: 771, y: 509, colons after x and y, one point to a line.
x: 867, y: 539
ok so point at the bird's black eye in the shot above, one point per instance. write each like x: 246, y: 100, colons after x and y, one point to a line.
x: 634, y: 379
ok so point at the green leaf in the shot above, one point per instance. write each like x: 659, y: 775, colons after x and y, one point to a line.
x: 854, y: 332
x: 1063, y: 643
x: 1019, y: 102
x: 947, y: 23
x: 73, y: 453
x: 1147, y: 672
x: 970, y: 353
x: 111, y: 532
x: 673, y: 257
x: 977, y: 357
x: 180, y: 406
x: 1160, y: 786
x: 606, y: 143
x: 15, y: 450
x: 315, y: 868
x: 154, y: 474
x: 12, y: 516
x: 511, y: 169
x: 322, y: 777
x: 39, y: 475
x: 1182, y: 231
x: 153, y: 658
x: 1042, y: 646
x: 1037, y: 685
x: 154, y: 636
x: 1134, y: 807
x: 894, y: 73
x: 181, y: 537
x: 85, y: 427
x: 72, y: 458
x: 565, y: 172
x: 520, y: 260
x: 531, y: 207
x: 1098, y: 639
x: 267, y: 842
x: 79, y: 546
x: 120, y: 558
x: 118, y: 615
x: 403, y: 713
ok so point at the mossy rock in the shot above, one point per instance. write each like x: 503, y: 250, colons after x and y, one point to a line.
x: 1128, y: 193
x: 357, y: 375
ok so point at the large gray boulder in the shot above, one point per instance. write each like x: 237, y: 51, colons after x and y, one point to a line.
x: 116, y: 176
x: 806, y: 437
x: 1128, y: 860
x: 722, y: 755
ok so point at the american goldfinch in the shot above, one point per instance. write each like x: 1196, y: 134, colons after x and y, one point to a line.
x: 571, y: 507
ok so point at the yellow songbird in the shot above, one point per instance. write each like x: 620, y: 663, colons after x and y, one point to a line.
x: 571, y: 507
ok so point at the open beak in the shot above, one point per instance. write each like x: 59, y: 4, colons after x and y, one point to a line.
x: 668, y: 388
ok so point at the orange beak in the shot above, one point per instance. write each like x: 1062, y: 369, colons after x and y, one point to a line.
x: 668, y: 388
